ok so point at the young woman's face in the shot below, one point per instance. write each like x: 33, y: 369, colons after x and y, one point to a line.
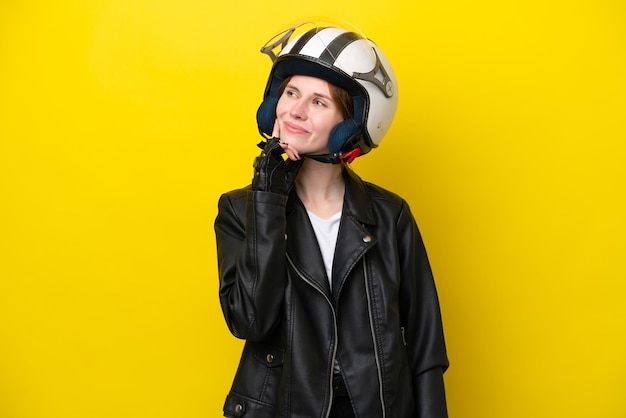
x: 306, y: 113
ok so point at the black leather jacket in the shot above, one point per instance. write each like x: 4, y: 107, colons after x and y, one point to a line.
x: 380, y: 321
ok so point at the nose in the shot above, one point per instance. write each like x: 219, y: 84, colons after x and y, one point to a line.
x: 298, y: 110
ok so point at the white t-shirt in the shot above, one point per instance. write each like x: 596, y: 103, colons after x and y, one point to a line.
x: 326, y: 231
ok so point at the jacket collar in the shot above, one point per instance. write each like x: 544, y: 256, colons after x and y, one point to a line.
x: 357, y: 201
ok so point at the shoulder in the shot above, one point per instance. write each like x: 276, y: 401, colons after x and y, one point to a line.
x: 387, y: 203
x: 379, y: 195
x: 383, y: 195
x: 369, y: 201
x: 234, y: 196
x: 233, y: 203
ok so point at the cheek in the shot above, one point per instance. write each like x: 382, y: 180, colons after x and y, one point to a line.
x: 334, y: 122
x: 280, y: 106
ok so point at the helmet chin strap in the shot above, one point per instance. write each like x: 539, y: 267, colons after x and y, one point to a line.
x: 323, y: 158
x: 335, y: 158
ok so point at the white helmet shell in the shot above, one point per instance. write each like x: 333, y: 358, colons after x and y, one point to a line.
x: 344, y: 57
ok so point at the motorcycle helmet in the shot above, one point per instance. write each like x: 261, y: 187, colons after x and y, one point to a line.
x: 341, y: 55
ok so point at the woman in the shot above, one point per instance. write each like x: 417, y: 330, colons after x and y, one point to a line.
x: 324, y: 275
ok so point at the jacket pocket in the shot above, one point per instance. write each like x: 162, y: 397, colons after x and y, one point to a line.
x: 269, y: 356
x: 237, y: 406
x: 256, y: 383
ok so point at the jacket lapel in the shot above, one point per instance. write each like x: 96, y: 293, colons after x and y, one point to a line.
x: 302, y: 245
x: 354, y: 240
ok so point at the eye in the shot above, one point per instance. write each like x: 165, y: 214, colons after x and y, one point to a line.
x: 319, y: 103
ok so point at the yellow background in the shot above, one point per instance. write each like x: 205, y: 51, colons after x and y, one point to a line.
x: 121, y: 122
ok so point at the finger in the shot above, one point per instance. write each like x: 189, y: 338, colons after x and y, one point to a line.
x: 276, y: 130
x: 291, y: 153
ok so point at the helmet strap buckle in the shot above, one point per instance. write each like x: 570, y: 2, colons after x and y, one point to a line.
x: 349, y: 156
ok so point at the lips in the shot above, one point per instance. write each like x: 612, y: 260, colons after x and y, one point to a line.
x: 294, y: 129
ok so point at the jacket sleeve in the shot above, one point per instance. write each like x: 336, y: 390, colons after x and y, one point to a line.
x: 250, y: 233
x: 421, y: 317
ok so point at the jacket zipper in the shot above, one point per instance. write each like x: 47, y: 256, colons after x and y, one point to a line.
x: 376, y: 355
x: 332, y: 365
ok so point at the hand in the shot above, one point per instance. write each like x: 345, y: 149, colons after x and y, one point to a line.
x: 271, y: 172
x: 289, y: 149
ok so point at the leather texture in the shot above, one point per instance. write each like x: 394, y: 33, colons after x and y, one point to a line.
x: 380, y: 320
x: 272, y: 173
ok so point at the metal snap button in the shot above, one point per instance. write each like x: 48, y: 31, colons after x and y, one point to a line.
x: 367, y: 238
x: 269, y: 358
x: 238, y: 408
